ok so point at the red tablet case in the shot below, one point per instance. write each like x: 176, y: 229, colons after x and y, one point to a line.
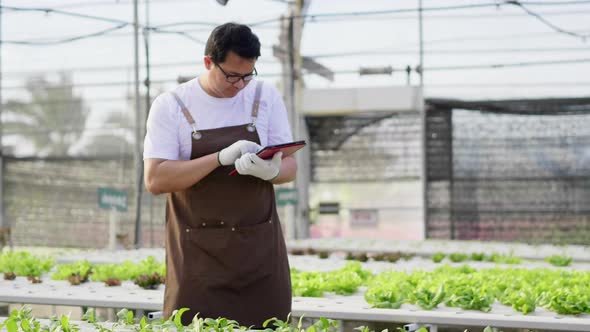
x: 269, y: 151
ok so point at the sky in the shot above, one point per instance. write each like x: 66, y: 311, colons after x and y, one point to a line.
x: 102, y: 67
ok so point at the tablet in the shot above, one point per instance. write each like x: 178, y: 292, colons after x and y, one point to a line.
x: 268, y: 151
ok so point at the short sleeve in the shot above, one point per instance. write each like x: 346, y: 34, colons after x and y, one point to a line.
x: 279, y: 130
x: 161, y: 138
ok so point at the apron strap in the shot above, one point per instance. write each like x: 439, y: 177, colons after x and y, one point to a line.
x: 256, y: 103
x: 187, y: 114
x: 254, y: 114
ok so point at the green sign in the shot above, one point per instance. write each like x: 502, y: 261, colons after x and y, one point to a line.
x: 109, y: 198
x: 286, y: 196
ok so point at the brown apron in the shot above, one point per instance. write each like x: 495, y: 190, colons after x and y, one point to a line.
x: 225, y: 251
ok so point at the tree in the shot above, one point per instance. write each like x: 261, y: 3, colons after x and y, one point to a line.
x: 52, y: 120
x: 114, y: 139
x: 118, y: 134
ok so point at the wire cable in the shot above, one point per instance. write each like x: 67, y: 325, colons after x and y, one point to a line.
x: 174, y: 24
x: 62, y: 12
x: 507, y: 65
x: 494, y: 16
x: 488, y: 38
x: 380, y: 52
x: 193, y: 64
x: 65, y: 40
x: 117, y: 3
x: 315, y: 17
x: 554, y: 3
x: 546, y: 22
x: 351, y: 71
x: 180, y: 33
x: 312, y: 17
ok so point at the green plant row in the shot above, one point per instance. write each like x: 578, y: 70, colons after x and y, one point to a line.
x: 23, y: 321
x: 23, y: 263
x: 102, y: 272
x: 148, y: 273
x: 344, y: 281
x: 457, y: 257
x: 391, y: 257
x: 564, y: 292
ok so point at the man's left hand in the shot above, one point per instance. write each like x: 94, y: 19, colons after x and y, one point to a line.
x: 251, y: 164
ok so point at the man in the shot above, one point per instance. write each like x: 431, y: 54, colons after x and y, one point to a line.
x: 225, y: 252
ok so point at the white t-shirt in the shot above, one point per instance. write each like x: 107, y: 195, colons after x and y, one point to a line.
x: 168, y: 133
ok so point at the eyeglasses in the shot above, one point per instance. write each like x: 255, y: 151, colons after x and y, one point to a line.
x: 233, y: 79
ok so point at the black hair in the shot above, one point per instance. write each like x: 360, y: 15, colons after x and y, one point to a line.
x: 234, y: 37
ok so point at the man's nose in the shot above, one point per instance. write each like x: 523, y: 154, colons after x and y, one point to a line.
x: 240, y: 84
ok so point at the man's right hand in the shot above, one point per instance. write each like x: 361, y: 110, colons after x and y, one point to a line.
x: 229, y: 155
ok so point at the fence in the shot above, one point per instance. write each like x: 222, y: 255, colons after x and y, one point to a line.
x: 510, y: 170
x: 54, y: 202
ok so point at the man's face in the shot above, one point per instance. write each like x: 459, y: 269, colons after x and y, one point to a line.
x: 234, y: 69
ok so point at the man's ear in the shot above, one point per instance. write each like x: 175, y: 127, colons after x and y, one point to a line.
x: 208, y: 62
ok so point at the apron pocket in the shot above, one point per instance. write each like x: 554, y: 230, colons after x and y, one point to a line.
x: 232, y: 255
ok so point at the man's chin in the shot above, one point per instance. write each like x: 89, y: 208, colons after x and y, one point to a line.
x: 230, y: 94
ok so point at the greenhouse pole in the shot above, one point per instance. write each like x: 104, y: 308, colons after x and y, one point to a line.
x: 138, y: 125
x: 424, y: 119
x: 4, y: 224
x: 297, y: 215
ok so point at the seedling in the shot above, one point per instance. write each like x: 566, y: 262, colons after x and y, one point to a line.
x: 438, y: 257
x: 558, y: 260
x: 112, y: 282
x: 152, y: 281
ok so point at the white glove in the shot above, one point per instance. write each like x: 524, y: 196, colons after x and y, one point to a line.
x: 230, y: 154
x: 251, y: 164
